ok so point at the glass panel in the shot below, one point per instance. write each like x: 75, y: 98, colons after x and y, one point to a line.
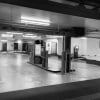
x: 54, y: 47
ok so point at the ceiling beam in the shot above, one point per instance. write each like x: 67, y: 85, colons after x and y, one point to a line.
x: 55, y: 7
x: 35, y: 30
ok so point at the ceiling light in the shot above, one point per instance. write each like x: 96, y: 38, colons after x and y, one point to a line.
x: 14, y: 33
x: 3, y: 40
x: 17, y: 33
x: 35, y: 21
x: 51, y: 36
x: 29, y: 36
x: 6, y: 35
x: 71, y: 3
x: 83, y: 38
x: 88, y: 6
x: 8, y: 32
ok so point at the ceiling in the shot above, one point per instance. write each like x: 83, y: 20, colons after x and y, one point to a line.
x: 88, y: 2
x: 25, y: 36
x: 93, y: 3
x: 11, y: 14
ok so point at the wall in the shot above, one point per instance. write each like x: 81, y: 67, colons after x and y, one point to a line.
x: 93, y: 47
x: 89, y: 46
x: 82, y: 43
x: 0, y: 45
x: 49, y: 41
x: 60, y: 46
x: 20, y: 46
x: 48, y: 47
x: 10, y: 45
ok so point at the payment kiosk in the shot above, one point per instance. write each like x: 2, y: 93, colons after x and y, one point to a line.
x: 76, y: 49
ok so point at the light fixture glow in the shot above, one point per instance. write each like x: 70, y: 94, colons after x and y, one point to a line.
x: 3, y: 40
x: 14, y: 33
x: 19, y: 41
x: 18, y: 33
x: 35, y: 21
x: 29, y: 36
x: 83, y: 38
x: 6, y: 35
x: 54, y: 36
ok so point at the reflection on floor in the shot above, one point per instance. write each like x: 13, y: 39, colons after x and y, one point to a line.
x: 16, y: 73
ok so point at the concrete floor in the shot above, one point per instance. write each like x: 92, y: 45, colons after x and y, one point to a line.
x: 16, y: 73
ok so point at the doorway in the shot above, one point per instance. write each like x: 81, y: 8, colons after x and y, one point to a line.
x: 15, y: 46
x: 25, y: 47
x: 4, y: 46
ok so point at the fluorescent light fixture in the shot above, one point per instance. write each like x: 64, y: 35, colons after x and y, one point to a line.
x: 3, y: 40
x: 35, y: 21
x: 83, y: 38
x: 6, y: 35
x: 29, y: 36
x: 17, y: 33
x: 53, y: 36
x: 89, y: 7
x: 14, y: 33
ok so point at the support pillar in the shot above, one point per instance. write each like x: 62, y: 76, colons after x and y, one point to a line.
x: 66, y: 54
x: 67, y: 44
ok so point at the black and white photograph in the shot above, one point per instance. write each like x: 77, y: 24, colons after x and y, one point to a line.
x: 49, y: 49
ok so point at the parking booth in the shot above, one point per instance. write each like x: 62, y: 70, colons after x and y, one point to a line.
x: 39, y: 55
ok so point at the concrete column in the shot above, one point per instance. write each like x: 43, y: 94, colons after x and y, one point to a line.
x: 66, y: 54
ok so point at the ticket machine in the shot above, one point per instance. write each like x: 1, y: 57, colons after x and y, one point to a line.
x: 76, y: 49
